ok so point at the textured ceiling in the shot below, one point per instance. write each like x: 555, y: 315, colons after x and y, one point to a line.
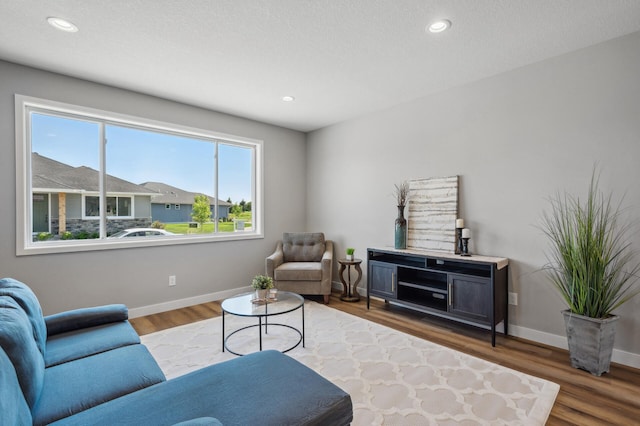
x: 339, y: 58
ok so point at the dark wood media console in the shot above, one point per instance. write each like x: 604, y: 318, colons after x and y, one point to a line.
x: 471, y: 290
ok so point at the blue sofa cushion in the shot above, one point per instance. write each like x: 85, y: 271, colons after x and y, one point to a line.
x: 200, y: 421
x: 86, y: 382
x: 13, y: 408
x: 85, y: 317
x: 265, y: 388
x: 65, y: 347
x: 29, y: 303
x: 16, y: 338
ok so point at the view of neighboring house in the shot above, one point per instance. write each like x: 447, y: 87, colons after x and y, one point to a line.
x: 66, y: 198
x: 174, y: 205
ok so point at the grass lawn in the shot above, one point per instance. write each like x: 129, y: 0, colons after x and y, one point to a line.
x: 208, y: 228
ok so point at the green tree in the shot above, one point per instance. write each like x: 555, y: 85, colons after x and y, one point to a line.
x: 236, y: 209
x: 242, y: 204
x: 201, y: 211
x: 247, y: 206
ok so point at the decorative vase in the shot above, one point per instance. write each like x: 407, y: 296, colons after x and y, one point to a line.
x: 261, y: 294
x: 350, y: 257
x: 590, y: 341
x: 401, y: 230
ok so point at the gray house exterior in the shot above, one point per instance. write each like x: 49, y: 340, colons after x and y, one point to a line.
x: 174, y: 205
x: 66, y: 198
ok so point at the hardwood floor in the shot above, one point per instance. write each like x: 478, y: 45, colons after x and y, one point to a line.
x: 613, y: 399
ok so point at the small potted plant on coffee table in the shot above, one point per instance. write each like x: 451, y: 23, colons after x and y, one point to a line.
x: 261, y: 284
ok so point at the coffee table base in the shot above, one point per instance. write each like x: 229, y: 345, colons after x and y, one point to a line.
x: 259, y: 325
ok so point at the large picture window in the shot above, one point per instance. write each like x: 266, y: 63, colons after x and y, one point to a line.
x: 87, y: 177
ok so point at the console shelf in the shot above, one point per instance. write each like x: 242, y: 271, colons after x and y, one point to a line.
x: 472, y: 290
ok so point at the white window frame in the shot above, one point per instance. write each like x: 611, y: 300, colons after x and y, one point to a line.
x: 24, y: 214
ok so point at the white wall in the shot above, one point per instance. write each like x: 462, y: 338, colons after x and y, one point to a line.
x: 139, y: 277
x: 514, y: 139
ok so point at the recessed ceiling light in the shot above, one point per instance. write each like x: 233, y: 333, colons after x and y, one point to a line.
x: 439, y: 26
x: 62, y: 24
x: 288, y: 99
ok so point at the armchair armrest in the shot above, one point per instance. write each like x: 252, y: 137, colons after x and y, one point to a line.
x: 274, y: 260
x: 85, y: 317
x: 327, y: 259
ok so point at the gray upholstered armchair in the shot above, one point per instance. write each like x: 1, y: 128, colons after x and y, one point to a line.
x: 302, y: 263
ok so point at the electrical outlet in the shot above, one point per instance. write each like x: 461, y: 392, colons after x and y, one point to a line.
x: 172, y: 280
x: 513, y: 299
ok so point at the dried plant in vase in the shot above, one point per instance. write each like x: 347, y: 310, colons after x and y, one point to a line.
x: 402, y: 196
x: 402, y: 193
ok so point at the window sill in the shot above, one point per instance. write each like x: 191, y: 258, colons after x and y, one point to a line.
x: 70, y: 246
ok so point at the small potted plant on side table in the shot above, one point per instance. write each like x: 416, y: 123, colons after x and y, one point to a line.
x: 350, y: 252
x: 261, y: 284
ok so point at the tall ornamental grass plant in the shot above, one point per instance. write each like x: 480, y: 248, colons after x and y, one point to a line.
x: 590, y: 262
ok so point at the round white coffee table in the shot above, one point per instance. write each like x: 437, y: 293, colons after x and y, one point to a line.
x: 243, y: 306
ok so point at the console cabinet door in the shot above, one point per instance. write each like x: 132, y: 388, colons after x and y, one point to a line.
x: 382, y: 279
x: 470, y: 297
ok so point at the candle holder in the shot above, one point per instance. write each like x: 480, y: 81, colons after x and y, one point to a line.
x: 458, y: 240
x: 465, y: 247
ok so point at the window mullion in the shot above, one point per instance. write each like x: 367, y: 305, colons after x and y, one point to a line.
x: 215, y: 186
x: 103, y: 181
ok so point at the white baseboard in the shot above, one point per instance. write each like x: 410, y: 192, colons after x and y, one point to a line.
x: 183, y: 303
x: 538, y: 336
x: 621, y: 357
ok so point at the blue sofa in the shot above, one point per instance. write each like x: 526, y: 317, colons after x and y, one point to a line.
x: 88, y: 366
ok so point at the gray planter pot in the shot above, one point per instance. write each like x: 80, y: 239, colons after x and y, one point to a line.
x: 590, y: 341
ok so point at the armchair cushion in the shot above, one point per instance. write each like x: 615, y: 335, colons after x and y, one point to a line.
x: 303, y: 246
x: 299, y: 271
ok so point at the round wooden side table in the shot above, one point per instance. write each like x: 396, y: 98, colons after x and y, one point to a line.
x: 350, y: 294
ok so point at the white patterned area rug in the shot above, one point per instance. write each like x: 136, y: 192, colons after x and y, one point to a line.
x: 393, y: 378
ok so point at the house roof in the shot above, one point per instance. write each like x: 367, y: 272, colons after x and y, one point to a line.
x: 172, y: 195
x: 51, y: 175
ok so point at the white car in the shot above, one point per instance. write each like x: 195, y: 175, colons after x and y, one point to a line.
x: 141, y: 232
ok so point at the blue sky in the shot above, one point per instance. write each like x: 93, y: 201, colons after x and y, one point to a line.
x: 141, y: 156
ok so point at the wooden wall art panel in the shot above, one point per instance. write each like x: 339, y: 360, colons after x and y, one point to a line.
x: 433, y: 209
